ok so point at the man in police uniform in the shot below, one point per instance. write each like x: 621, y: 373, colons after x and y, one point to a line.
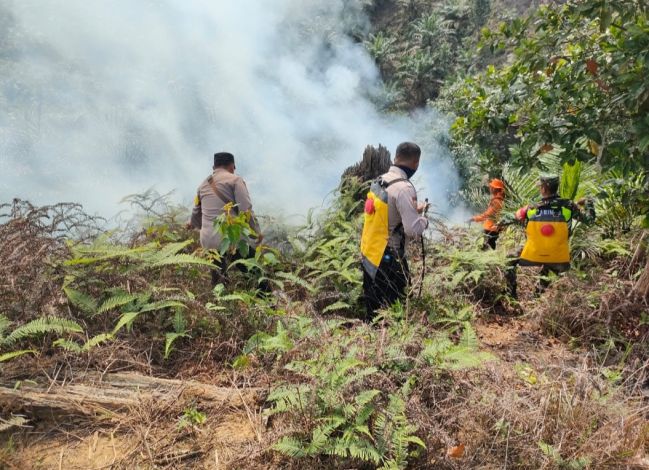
x: 546, y: 221
x: 405, y: 220
x: 217, y: 190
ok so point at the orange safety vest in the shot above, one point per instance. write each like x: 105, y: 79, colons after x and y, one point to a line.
x: 488, y: 217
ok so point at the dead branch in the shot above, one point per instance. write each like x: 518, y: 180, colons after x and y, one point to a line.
x: 117, y: 393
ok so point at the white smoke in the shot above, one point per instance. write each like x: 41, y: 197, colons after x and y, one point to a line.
x: 103, y: 98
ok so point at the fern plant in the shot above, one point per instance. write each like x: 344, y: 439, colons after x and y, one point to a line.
x: 31, y: 330
x: 348, y: 420
x: 442, y: 353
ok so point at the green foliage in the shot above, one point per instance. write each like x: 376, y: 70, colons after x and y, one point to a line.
x: 621, y: 202
x: 192, y: 417
x: 151, y: 256
x: 468, y: 268
x: 42, y: 326
x: 380, y: 46
x: 180, y: 331
x: 427, y: 46
x: 577, y: 84
x: 264, y: 342
x: 127, y: 318
x: 339, y: 414
x: 394, y: 433
x: 235, y: 230
x: 14, y: 354
x: 83, y: 302
x: 441, y: 352
x: 326, y: 249
x: 75, y: 347
x: 553, y: 454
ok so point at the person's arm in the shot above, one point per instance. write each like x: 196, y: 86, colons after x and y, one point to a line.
x: 196, y: 219
x: 242, y: 199
x: 494, y: 208
x: 413, y: 223
x: 521, y: 214
x: 584, y: 211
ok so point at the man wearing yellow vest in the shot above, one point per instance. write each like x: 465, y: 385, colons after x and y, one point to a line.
x: 548, y: 225
x: 392, y: 214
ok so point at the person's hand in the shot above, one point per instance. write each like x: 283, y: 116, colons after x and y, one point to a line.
x: 422, y: 207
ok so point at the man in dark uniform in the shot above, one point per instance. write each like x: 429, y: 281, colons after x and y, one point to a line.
x: 548, y: 226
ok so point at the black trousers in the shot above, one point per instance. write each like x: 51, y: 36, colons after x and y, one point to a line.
x: 490, y: 239
x: 219, y: 273
x: 511, y: 274
x: 389, y: 285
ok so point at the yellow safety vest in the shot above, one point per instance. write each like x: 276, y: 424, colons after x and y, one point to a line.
x: 374, y: 239
x: 548, y: 233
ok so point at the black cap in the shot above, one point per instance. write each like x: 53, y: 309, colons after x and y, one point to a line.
x: 550, y: 180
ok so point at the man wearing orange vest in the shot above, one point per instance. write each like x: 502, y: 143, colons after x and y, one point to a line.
x: 489, y: 217
x: 392, y: 214
x: 548, y: 225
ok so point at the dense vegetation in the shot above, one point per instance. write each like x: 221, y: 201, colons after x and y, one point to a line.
x: 452, y: 378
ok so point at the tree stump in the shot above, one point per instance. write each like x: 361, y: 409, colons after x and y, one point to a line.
x: 375, y: 162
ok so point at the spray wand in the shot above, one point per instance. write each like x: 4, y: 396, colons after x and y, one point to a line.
x: 423, y: 254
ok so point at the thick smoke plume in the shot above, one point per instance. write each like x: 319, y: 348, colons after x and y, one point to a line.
x: 100, y: 99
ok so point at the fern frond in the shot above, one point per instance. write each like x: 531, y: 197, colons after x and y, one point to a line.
x: 297, y: 281
x: 291, y: 447
x: 5, y: 323
x: 179, y: 322
x: 162, y: 304
x: 462, y: 358
x: 67, y: 345
x: 169, y: 341
x: 97, y: 340
x: 82, y: 301
x: 126, y: 319
x: 117, y: 300
x: 366, y: 397
x: 181, y: 259
x: 42, y: 326
x: 14, y: 354
x: 469, y: 338
x: 171, y: 249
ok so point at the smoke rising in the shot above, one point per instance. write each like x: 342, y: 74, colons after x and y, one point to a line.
x: 104, y: 98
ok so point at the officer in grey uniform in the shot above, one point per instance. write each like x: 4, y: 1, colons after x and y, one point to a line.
x: 406, y: 220
x: 217, y: 190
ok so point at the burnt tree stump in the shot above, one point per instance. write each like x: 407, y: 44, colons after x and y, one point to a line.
x: 375, y: 162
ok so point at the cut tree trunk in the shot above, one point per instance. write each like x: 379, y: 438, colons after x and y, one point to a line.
x: 115, y: 393
x: 375, y: 162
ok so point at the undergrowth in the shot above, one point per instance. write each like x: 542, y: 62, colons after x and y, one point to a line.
x: 414, y: 389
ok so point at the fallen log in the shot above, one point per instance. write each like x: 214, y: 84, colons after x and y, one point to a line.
x: 117, y: 393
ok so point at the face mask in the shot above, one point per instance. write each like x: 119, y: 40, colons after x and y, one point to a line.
x: 408, y: 171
